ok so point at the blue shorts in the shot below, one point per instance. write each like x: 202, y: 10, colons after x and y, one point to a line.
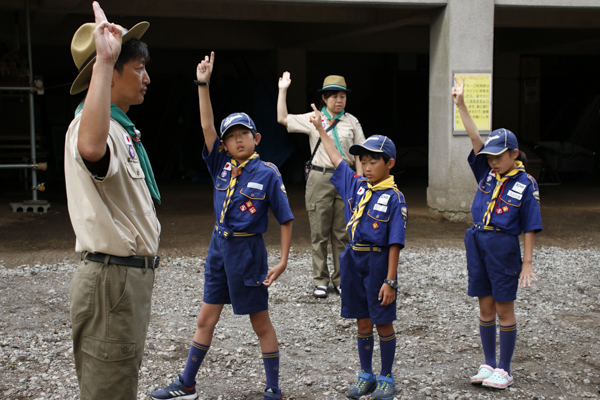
x: 363, y: 273
x: 494, y: 264
x: 234, y: 273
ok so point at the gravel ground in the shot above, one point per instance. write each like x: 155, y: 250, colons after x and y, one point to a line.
x: 438, y: 348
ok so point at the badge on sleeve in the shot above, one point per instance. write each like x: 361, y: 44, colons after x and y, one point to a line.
x: 404, y: 212
x: 282, y: 187
x: 536, y: 195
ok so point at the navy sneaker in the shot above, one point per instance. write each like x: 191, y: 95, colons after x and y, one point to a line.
x: 272, y: 393
x: 176, y: 390
x: 385, y: 388
x: 366, y: 384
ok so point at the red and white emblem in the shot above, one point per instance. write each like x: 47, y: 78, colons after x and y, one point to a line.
x: 243, y: 208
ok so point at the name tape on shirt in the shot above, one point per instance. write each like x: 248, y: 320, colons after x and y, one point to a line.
x: 514, y: 195
x: 519, y: 187
x: 255, y: 185
x: 379, y: 207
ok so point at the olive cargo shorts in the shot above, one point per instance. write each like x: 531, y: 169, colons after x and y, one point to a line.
x: 110, y: 312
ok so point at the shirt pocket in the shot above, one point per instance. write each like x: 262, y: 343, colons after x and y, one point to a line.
x: 135, y: 170
x: 253, y: 193
x: 376, y: 229
x: 510, y: 201
x: 486, y: 187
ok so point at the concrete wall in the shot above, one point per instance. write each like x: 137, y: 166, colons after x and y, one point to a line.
x: 462, y: 38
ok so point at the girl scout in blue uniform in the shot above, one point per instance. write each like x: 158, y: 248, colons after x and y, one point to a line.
x: 376, y: 217
x: 236, y: 270
x: 506, y: 204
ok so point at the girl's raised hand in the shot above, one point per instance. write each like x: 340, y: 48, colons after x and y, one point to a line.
x: 458, y: 92
x: 285, y: 81
x: 204, y: 69
x: 316, y: 118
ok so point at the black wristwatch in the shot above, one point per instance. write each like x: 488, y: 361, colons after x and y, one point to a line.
x: 202, y: 83
x: 393, y: 284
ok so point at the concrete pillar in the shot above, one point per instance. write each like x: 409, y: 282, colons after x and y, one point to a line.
x: 462, y: 40
x: 294, y: 61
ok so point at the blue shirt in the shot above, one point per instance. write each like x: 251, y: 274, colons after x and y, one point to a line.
x: 518, y: 207
x: 383, y: 221
x: 258, y: 188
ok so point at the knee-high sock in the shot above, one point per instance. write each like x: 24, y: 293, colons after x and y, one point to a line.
x: 387, y: 345
x: 487, y: 331
x: 365, y: 343
x: 195, y: 358
x: 508, y: 339
x: 271, y: 363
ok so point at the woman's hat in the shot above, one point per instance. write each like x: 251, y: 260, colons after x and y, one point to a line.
x: 499, y: 141
x: 334, y: 83
x: 83, y: 50
x: 376, y: 144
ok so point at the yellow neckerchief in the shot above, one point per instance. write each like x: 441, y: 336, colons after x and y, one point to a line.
x: 387, y: 183
x: 235, y: 172
x: 499, y: 182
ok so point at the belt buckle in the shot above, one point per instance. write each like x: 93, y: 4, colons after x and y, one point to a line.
x: 155, y: 261
x: 224, y: 233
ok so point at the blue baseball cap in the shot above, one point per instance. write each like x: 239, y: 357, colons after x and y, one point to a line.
x: 377, y: 144
x: 237, y: 119
x: 499, y: 141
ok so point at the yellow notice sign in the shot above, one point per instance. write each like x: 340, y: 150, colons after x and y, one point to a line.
x: 478, y: 98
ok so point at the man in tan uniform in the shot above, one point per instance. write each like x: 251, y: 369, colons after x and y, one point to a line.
x: 110, y: 186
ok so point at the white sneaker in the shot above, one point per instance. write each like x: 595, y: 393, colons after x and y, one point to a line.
x: 485, y: 371
x: 500, y: 379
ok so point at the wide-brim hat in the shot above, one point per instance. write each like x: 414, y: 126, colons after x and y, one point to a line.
x: 376, y: 144
x: 499, y: 141
x: 334, y: 83
x: 234, y: 119
x: 83, y: 50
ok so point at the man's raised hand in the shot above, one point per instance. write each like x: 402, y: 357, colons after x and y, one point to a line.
x: 107, y: 36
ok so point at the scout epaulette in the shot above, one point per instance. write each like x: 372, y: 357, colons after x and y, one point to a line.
x: 272, y: 166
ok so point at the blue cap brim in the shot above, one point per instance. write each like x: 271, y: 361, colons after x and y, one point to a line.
x: 493, y: 150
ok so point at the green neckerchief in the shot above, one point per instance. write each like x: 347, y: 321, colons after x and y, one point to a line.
x: 118, y: 115
x: 335, y: 132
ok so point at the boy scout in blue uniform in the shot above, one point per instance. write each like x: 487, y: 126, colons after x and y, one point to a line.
x: 506, y: 204
x: 376, y: 218
x: 236, y: 270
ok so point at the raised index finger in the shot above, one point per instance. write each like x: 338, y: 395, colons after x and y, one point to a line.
x: 315, y: 109
x: 98, y: 13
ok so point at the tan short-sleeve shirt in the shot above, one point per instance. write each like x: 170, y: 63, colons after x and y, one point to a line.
x: 114, y: 215
x: 349, y: 132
